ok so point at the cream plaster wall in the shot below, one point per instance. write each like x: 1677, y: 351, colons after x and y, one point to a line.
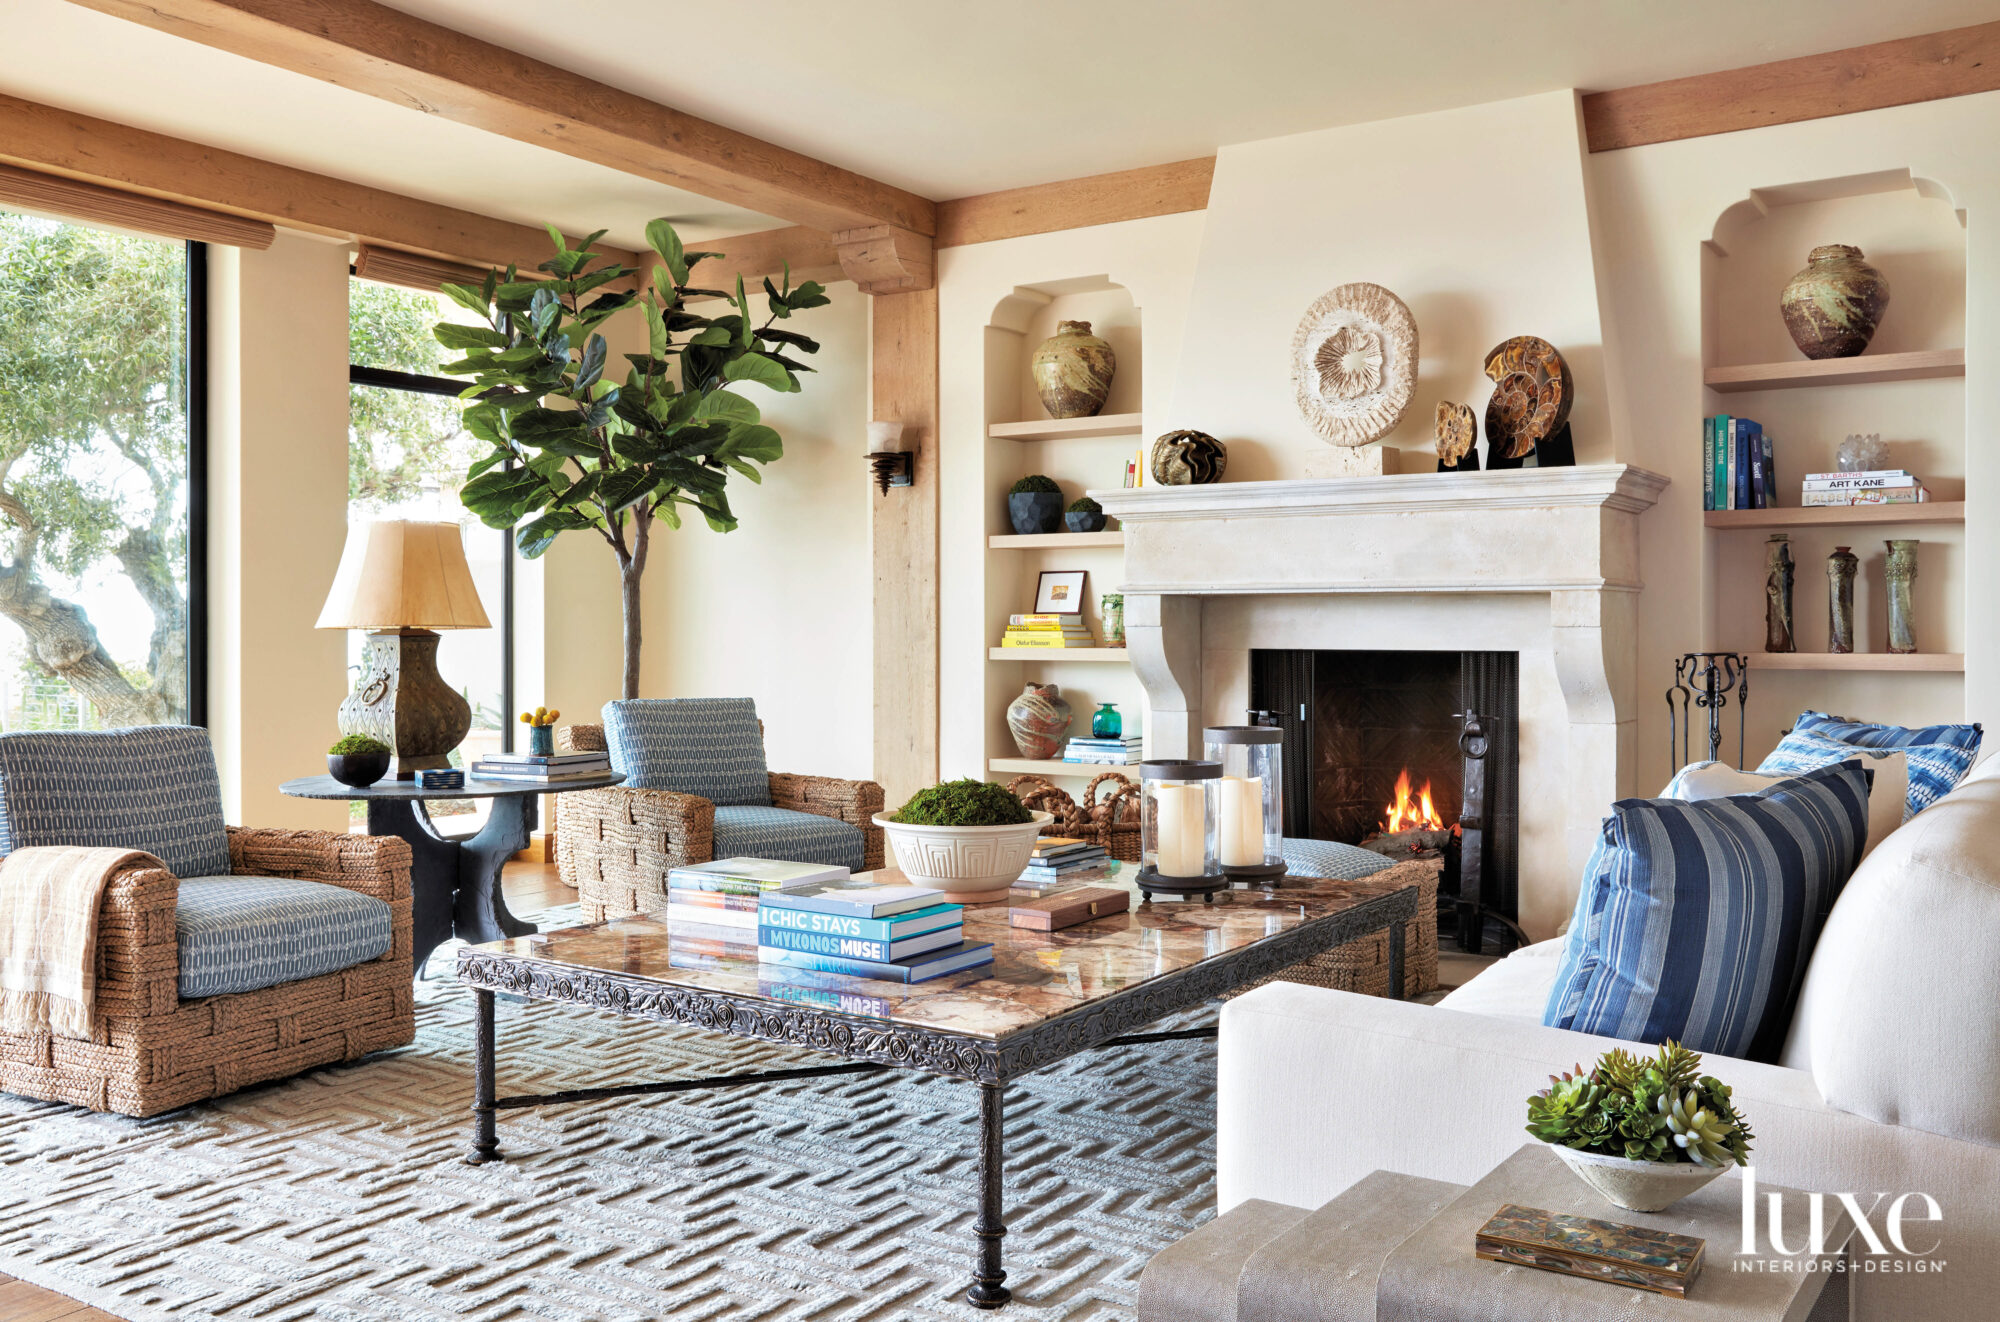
x: 277, y: 520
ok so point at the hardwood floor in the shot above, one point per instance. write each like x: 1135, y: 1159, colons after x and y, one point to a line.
x: 529, y: 886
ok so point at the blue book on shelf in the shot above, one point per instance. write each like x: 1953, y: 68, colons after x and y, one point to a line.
x: 1739, y: 444
x: 1770, y: 469
x: 1708, y: 463
x: 1754, y: 443
x: 857, y: 947
x: 899, y: 928
x: 918, y: 968
x: 1723, y: 490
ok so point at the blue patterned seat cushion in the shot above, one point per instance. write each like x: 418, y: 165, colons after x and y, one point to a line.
x: 1696, y: 920
x: 796, y: 837
x: 1939, y: 755
x: 239, y: 933
x: 1330, y: 858
x: 152, y: 788
x: 710, y: 747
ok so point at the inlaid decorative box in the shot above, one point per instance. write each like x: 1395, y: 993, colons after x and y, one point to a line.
x: 1068, y: 908
x: 1655, y: 1260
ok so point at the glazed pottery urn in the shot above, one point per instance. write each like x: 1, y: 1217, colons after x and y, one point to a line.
x: 1035, y: 511
x: 1073, y: 371
x: 1833, y: 306
x: 1039, y: 721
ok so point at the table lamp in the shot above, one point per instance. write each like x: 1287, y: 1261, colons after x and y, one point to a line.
x: 402, y: 581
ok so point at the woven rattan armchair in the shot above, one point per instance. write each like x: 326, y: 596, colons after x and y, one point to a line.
x: 153, y: 1051
x: 615, y: 846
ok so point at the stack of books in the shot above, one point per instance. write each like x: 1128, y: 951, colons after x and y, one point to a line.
x: 1047, y: 631
x: 720, y: 898
x: 1739, y: 465
x: 1127, y: 751
x: 899, y: 933
x: 552, y: 769
x: 1883, y: 486
x: 1057, y: 858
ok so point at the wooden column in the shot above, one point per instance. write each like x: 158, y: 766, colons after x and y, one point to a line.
x: 904, y: 361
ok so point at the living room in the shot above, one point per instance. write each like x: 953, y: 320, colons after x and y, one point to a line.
x: 1106, y: 663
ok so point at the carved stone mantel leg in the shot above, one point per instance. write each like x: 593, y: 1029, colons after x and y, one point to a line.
x: 1597, y: 666
x: 1163, y: 636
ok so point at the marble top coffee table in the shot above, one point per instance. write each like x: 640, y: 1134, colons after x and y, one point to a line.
x: 1046, y: 996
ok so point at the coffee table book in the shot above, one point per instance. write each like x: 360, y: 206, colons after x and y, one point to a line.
x: 1655, y: 1260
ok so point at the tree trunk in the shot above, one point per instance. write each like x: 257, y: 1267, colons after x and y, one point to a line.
x: 62, y: 638
x: 631, y: 568
x: 146, y: 562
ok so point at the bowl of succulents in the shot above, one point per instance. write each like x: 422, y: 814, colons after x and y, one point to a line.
x: 358, y: 761
x: 969, y: 838
x: 1644, y: 1131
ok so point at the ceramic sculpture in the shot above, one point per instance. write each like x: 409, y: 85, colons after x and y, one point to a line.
x: 1354, y: 364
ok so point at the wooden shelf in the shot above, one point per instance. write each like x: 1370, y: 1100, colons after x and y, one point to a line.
x: 1034, y: 540
x: 1936, y: 662
x: 1920, y: 365
x: 1045, y: 655
x: 1068, y: 429
x: 1025, y: 766
x: 1835, y: 516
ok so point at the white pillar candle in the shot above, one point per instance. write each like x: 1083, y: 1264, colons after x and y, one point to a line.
x: 1177, y: 814
x: 1242, y: 826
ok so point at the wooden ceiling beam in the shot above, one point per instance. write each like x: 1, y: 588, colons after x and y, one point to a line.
x: 1099, y: 199
x: 1958, y: 62
x: 369, y: 47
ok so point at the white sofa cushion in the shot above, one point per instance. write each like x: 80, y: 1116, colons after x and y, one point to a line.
x: 1516, y: 987
x: 1886, y: 794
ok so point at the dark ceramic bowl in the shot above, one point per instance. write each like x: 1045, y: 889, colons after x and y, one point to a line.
x: 1084, y: 520
x: 1035, y: 511
x: 357, y: 769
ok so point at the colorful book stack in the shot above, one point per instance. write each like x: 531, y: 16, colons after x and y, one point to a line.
x: 1047, y: 631
x: 1058, y: 858
x: 1128, y: 751
x: 1739, y: 466
x: 1883, y: 486
x: 551, y: 769
x: 899, y: 933
x: 720, y: 898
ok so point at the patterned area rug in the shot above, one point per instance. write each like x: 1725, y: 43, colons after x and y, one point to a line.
x: 341, y: 1195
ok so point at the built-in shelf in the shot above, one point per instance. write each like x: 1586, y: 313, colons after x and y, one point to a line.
x: 1027, y: 766
x: 1837, y: 516
x: 1919, y: 365
x: 1066, y: 429
x: 1045, y: 655
x: 1035, y: 540
x: 1944, y: 662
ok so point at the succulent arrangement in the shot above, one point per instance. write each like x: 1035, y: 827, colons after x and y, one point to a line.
x: 1655, y: 1108
x: 1034, y: 482
x: 965, y: 802
x: 358, y: 745
x: 1085, y: 505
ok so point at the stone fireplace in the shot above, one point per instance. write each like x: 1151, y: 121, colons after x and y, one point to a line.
x: 1541, y: 563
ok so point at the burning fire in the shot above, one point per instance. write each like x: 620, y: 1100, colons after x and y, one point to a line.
x: 1411, y: 812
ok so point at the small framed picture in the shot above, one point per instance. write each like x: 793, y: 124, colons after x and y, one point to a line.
x: 1060, y: 592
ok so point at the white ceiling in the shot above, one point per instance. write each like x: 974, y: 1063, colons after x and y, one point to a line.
x: 945, y: 99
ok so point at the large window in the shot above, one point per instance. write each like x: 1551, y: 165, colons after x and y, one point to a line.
x: 101, y: 436
x: 406, y: 459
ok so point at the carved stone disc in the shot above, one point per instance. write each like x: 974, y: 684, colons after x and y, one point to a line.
x: 1354, y: 363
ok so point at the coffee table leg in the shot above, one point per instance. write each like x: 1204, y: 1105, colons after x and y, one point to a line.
x: 1396, y: 961
x: 987, y: 1290
x: 485, y: 1141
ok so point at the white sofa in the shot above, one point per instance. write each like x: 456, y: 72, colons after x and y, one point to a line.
x: 1890, y: 1080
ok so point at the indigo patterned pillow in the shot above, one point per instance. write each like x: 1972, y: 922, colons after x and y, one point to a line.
x: 1696, y: 920
x: 709, y: 747
x: 1939, y: 755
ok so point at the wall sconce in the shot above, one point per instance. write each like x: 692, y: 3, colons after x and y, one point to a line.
x: 893, y: 465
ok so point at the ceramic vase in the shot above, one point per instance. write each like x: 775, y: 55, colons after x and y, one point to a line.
x: 1833, y: 306
x: 1636, y: 1186
x: 1035, y: 511
x: 1112, y: 609
x: 1084, y: 520
x: 357, y: 770
x: 1902, y: 574
x: 1188, y: 459
x: 1779, y: 572
x: 1039, y: 721
x: 1073, y: 371
x: 542, y: 741
x: 1840, y: 567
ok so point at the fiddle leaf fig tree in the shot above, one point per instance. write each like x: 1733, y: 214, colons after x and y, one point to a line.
x: 572, y: 449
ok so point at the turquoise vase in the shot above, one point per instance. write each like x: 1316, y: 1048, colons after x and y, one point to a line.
x: 542, y: 740
x: 1106, y: 723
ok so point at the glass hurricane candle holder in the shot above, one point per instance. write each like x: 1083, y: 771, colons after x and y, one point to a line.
x: 1250, y: 800
x: 1177, y: 828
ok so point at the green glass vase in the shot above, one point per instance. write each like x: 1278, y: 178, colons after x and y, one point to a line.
x: 1106, y: 723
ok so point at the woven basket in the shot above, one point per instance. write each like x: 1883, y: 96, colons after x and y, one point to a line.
x: 1112, y: 822
x: 1362, y: 965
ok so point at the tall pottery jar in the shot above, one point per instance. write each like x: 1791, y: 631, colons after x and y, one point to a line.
x: 1833, y: 306
x: 1073, y: 371
x: 1039, y: 721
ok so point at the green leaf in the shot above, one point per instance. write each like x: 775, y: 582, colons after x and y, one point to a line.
x: 731, y: 408
x: 467, y: 297
x: 562, y: 244
x: 666, y: 242
x: 595, y: 351
x: 775, y: 301
x: 656, y: 329
x: 743, y: 336
x: 764, y: 371
x: 619, y: 489
x: 454, y: 336
x: 803, y: 343
x: 811, y: 294
x: 758, y: 442
x: 718, y: 336
x: 501, y: 496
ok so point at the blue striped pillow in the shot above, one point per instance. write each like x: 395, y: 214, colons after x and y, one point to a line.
x: 1696, y: 920
x: 1939, y: 755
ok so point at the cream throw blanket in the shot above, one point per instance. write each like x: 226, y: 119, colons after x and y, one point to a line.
x: 49, y: 895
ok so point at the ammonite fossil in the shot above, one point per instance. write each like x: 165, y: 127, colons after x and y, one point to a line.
x: 1531, y: 394
x: 1456, y: 430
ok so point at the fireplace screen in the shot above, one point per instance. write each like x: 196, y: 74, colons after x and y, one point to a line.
x: 1373, y: 756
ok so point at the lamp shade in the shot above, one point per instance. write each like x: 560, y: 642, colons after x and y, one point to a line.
x: 403, y: 575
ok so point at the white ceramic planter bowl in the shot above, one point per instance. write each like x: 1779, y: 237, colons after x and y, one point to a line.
x: 970, y: 864
x: 1637, y: 1186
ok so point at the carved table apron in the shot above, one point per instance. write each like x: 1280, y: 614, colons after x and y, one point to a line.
x: 871, y: 1043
